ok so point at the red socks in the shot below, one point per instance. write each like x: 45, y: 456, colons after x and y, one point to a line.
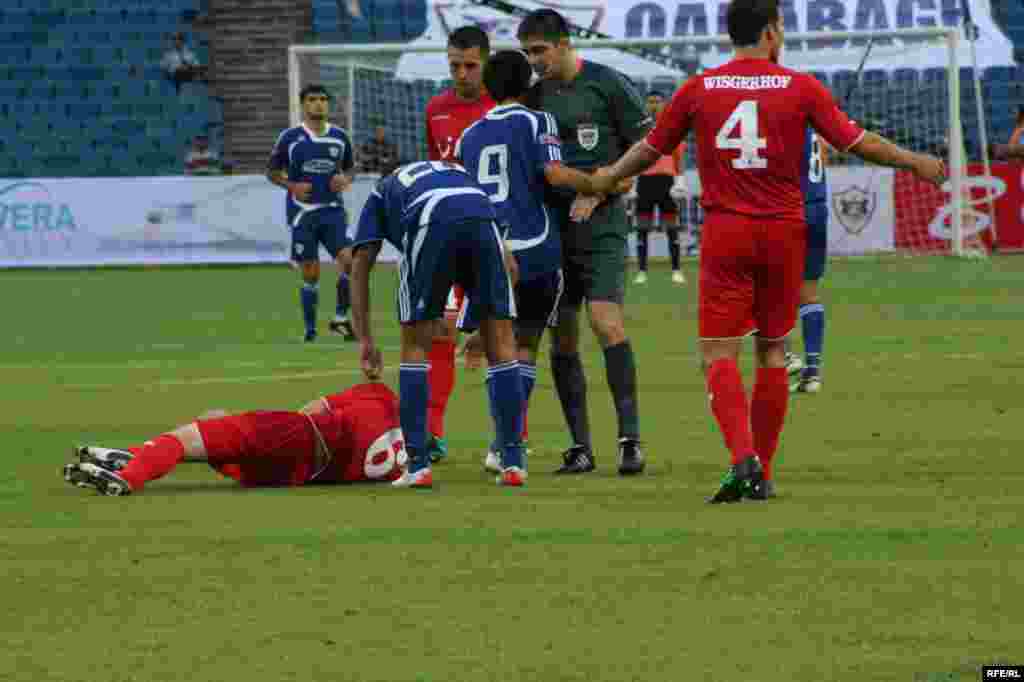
x: 730, y: 408
x: 768, y: 413
x: 442, y: 381
x: 153, y: 459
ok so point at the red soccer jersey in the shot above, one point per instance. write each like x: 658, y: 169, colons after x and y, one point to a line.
x: 363, y: 433
x: 750, y: 117
x: 447, y: 116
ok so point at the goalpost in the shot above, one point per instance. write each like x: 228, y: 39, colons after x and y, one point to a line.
x: 872, y: 210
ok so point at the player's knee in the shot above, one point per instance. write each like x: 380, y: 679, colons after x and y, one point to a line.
x: 607, y: 324
x: 311, y: 272
x: 770, y: 352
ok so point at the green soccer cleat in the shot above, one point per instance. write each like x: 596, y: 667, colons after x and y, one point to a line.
x: 437, y: 448
x: 742, y: 481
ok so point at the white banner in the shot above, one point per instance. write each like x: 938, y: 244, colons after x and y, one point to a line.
x: 862, y: 215
x: 682, y: 18
x: 170, y: 220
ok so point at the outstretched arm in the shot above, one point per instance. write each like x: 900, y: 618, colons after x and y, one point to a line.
x: 362, y: 263
x: 877, y: 149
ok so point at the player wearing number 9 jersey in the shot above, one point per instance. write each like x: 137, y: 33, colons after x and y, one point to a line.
x: 750, y: 117
x: 514, y: 153
x: 341, y: 438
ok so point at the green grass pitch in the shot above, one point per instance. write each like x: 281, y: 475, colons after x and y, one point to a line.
x: 895, y: 552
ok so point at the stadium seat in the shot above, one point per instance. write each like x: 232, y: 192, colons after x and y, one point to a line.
x: 843, y: 83
x: 905, y: 77
x: 14, y: 56
x: 934, y: 75
x: 822, y: 77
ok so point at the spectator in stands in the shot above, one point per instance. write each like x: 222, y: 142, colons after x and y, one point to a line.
x: 180, y: 63
x: 1018, y: 128
x: 200, y: 159
x: 378, y: 153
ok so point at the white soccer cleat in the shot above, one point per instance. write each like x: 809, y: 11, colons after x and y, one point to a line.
x: 110, y: 459
x: 806, y: 385
x: 102, y: 480
x: 492, y: 462
x: 641, y: 278
x: 678, y: 277
x: 793, y: 364
x: 424, y: 478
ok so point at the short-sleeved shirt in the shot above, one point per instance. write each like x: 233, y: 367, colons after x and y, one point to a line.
x: 448, y: 115
x: 312, y: 158
x: 418, y: 196
x: 507, y: 151
x: 750, y: 117
x: 599, y: 114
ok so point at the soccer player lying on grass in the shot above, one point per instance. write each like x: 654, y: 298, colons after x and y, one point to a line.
x: 341, y: 438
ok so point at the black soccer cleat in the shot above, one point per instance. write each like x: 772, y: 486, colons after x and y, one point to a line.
x: 342, y: 328
x: 631, y: 457
x: 576, y: 460
x: 742, y: 481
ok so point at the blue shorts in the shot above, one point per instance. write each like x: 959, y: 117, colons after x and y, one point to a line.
x: 537, y: 302
x: 817, y: 241
x: 324, y: 226
x: 467, y: 253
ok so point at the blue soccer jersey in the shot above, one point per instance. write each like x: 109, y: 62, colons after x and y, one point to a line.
x: 813, y: 178
x: 507, y: 152
x: 315, y: 159
x: 416, y: 197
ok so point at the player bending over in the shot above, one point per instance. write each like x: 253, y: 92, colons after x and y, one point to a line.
x: 660, y: 188
x: 314, y: 162
x: 341, y: 438
x: 814, y: 179
x: 442, y: 223
x: 750, y: 117
x: 447, y: 116
x: 512, y: 152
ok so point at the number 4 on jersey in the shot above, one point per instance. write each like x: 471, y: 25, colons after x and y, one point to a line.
x: 743, y: 117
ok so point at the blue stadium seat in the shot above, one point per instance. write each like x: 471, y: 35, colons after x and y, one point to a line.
x: 14, y: 55
x: 822, y: 77
x: 875, y: 78
x: 934, y: 75
x: 1000, y: 74
x: 843, y: 82
x: 80, y: 19
x: 905, y: 77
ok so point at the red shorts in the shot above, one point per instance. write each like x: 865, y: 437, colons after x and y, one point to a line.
x: 751, y: 271
x: 455, y: 298
x: 261, y: 448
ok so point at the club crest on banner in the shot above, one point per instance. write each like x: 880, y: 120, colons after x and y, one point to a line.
x: 854, y: 206
x: 588, y: 136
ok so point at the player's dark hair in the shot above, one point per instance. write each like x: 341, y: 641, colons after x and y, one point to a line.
x: 545, y: 24
x: 507, y: 75
x: 313, y: 89
x: 468, y: 37
x: 656, y: 93
x: 747, y: 19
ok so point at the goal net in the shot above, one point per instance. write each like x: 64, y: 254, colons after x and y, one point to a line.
x: 872, y: 209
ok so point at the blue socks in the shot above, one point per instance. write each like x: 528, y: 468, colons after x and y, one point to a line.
x: 505, y: 387
x: 309, y: 296
x: 341, y: 310
x: 413, y: 396
x: 528, y: 375
x: 812, y: 320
